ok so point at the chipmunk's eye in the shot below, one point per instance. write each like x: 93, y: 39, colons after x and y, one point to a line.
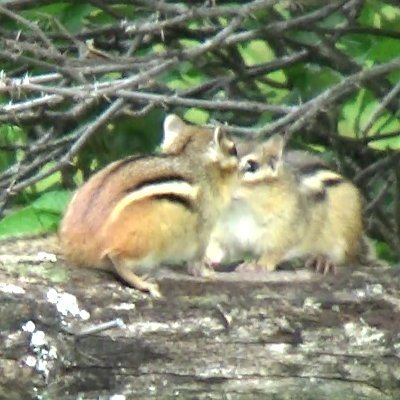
x: 251, y: 166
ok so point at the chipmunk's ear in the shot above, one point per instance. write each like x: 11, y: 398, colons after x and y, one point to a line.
x: 218, y: 136
x: 173, y: 126
x: 224, y: 143
x: 222, y: 150
x: 273, y: 153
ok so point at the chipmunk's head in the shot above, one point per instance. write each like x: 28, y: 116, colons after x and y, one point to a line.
x: 264, y: 163
x: 213, y: 144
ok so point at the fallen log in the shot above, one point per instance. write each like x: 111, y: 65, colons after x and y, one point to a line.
x: 68, y: 333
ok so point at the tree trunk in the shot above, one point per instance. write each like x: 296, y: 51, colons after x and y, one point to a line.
x: 282, y: 335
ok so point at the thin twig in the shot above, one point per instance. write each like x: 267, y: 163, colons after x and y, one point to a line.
x: 32, y: 26
x: 90, y: 129
x: 393, y: 93
x: 201, y: 13
x: 222, y: 105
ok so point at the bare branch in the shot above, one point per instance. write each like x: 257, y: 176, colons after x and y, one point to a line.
x: 83, y: 136
x: 243, y: 63
x: 32, y: 26
x: 393, y: 93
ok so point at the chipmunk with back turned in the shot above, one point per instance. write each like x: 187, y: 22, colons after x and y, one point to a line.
x: 287, y: 206
x: 142, y: 211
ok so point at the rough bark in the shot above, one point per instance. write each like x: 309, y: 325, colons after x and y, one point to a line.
x: 283, y: 335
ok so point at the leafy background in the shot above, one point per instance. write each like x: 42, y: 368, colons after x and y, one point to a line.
x: 82, y: 84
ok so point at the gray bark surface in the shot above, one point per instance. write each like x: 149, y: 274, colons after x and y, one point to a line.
x: 282, y: 335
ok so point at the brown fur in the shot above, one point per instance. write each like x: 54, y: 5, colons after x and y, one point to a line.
x: 104, y: 226
x: 286, y: 214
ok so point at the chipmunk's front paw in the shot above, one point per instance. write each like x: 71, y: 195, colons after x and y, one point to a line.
x: 321, y: 264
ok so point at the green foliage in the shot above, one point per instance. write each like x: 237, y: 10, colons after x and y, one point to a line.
x: 11, y: 137
x: 293, y: 84
x: 356, y: 113
x: 196, y: 116
x: 309, y: 80
x: 256, y: 52
x: 122, y: 137
x: 42, y: 215
x: 384, y: 252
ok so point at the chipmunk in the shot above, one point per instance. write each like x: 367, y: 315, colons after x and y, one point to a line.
x: 287, y: 206
x: 142, y: 211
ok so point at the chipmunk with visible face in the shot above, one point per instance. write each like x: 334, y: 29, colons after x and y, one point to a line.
x: 288, y: 206
x: 142, y: 211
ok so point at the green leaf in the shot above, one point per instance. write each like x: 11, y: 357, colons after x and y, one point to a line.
x: 357, y: 46
x: 310, y: 80
x: 74, y: 16
x: 256, y: 52
x: 187, y: 77
x: 46, y: 183
x: 43, y: 215
x: 264, y: 119
x: 197, y: 116
x: 10, y: 135
x: 356, y: 113
x: 384, y: 50
x: 380, y: 15
x: 55, y: 10
x: 384, y: 252
x: 53, y: 202
x: 28, y: 221
x: 333, y: 21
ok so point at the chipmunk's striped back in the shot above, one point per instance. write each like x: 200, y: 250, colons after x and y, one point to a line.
x: 142, y: 211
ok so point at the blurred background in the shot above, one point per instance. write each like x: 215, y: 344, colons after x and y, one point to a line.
x: 85, y: 83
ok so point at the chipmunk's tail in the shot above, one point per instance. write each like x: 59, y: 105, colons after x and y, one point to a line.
x: 367, y: 254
